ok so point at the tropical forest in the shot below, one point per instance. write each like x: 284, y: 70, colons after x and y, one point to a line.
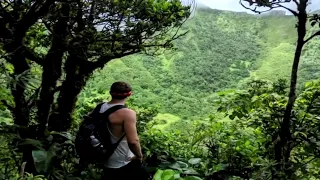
x: 218, y: 95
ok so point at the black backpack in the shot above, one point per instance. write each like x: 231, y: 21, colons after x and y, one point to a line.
x: 93, y: 143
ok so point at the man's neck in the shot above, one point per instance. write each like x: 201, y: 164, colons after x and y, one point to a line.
x: 116, y: 101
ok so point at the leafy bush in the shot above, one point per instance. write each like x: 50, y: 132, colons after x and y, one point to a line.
x: 169, y: 174
x: 262, y: 107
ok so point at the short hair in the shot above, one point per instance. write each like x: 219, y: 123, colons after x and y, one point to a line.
x: 120, y: 90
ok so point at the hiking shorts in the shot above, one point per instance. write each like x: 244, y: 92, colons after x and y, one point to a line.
x: 132, y: 171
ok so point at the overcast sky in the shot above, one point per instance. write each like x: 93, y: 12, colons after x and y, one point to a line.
x: 234, y: 5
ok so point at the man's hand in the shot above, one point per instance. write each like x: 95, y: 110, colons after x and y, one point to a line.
x: 136, y: 158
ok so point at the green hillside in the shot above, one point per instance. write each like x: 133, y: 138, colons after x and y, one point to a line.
x: 222, y: 50
x: 216, y: 106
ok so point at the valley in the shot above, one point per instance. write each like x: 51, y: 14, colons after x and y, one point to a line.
x: 223, y: 50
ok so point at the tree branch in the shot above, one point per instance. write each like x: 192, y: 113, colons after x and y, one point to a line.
x: 273, y: 5
x: 311, y: 37
x: 310, y: 161
x: 296, y: 2
x: 79, y: 20
x: 253, y: 10
x: 22, y: 168
x: 91, y: 14
x: 102, y: 60
x: 32, y: 16
x: 290, y: 10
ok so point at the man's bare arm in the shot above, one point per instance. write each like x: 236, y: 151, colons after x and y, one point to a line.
x: 130, y: 129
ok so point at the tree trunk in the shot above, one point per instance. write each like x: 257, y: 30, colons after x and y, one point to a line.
x: 76, y: 79
x: 21, y: 112
x: 72, y: 86
x: 51, y: 73
x: 282, y: 149
x: 17, y: 59
x: 52, y: 68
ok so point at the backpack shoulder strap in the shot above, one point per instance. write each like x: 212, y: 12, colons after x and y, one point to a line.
x: 112, y: 110
x: 96, y: 109
x: 94, y: 112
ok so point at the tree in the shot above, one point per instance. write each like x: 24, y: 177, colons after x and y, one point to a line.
x: 262, y: 106
x: 283, y: 148
x: 83, y: 36
x: 77, y: 37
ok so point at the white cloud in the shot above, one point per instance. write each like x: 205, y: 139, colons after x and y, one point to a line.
x: 233, y: 5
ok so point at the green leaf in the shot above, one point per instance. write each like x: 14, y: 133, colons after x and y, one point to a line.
x: 182, y: 164
x: 247, y: 143
x: 177, y: 176
x: 32, y: 142
x: 192, y: 178
x: 67, y: 135
x: 297, y: 133
x: 43, y: 160
x: 175, y: 166
x: 194, y: 161
x: 158, y: 174
x: 308, y: 84
x: 220, y: 167
x: 191, y: 172
x: 40, y: 160
x: 181, y: 13
x: 168, y: 174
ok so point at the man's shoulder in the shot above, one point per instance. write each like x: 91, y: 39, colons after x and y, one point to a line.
x: 128, y: 114
x: 128, y: 111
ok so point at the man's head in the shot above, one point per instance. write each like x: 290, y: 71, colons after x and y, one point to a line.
x: 120, y: 90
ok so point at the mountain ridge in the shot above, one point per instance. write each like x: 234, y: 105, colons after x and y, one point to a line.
x: 223, y: 50
x: 201, y: 5
x: 316, y: 11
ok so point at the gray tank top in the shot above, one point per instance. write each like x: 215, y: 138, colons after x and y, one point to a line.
x: 122, y: 154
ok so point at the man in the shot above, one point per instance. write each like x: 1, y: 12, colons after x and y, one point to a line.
x: 125, y: 162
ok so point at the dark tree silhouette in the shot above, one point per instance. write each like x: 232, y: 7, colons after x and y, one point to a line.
x: 79, y: 36
x: 82, y: 36
x: 282, y: 146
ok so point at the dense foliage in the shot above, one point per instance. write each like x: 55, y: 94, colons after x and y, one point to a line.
x: 202, y: 113
x: 49, y: 50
